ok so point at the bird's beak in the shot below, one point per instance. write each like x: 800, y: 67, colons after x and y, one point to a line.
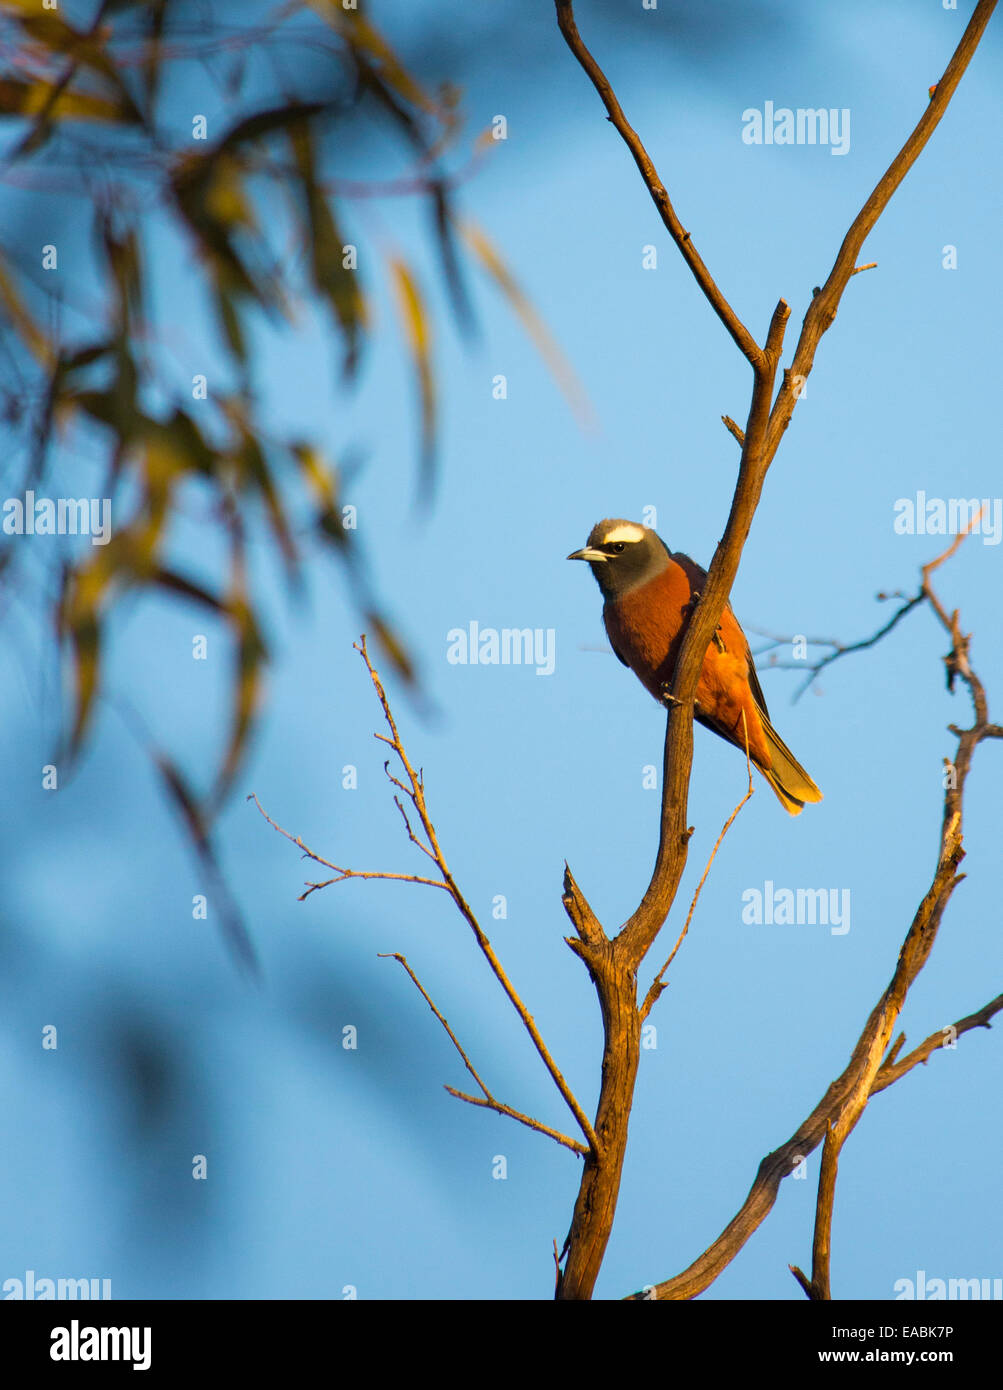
x: 594, y: 557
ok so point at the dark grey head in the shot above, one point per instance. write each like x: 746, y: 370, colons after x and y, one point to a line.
x: 622, y: 555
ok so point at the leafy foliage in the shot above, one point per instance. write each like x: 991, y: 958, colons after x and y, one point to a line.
x: 84, y: 115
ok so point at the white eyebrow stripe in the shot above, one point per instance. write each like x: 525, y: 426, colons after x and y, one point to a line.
x: 627, y: 532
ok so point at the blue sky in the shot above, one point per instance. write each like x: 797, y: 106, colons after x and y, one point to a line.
x: 329, y: 1168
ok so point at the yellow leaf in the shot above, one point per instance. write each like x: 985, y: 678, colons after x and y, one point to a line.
x: 417, y: 329
x: 22, y: 320
x: 29, y: 98
x: 393, y: 646
x: 558, y: 365
x: 361, y: 34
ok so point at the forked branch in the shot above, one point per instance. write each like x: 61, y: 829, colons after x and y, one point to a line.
x: 488, y: 1100
x: 923, y: 594
x: 658, y: 984
x: 613, y: 963
x: 872, y: 1066
x: 412, y: 786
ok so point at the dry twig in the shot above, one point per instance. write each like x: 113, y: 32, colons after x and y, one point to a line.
x: 489, y: 1100
x: 413, y: 789
x: 840, y: 1109
x: 613, y: 963
x: 657, y: 984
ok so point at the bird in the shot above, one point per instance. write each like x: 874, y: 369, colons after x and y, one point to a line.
x: 649, y: 592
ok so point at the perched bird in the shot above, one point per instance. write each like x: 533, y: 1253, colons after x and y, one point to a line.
x: 649, y: 592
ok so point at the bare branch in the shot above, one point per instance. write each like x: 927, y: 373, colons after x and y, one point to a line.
x: 396, y: 955
x: 891, y: 1070
x: 816, y: 669
x: 491, y: 1104
x: 414, y: 790
x: 613, y: 964
x: 822, y: 309
x: 341, y: 874
x: 741, y: 335
x: 344, y: 874
x: 657, y: 984
x: 837, y: 1114
x: 734, y: 429
x: 821, y: 1291
x: 923, y: 594
x: 489, y: 1099
x: 641, y: 928
x: 417, y: 796
x: 840, y: 1099
x: 410, y: 833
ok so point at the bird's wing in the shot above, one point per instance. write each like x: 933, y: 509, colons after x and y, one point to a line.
x: 696, y: 575
x: 754, y: 686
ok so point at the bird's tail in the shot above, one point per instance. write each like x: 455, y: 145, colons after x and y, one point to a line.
x: 786, y: 776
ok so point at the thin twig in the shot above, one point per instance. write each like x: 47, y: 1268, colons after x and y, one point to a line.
x: 417, y: 796
x: 845, y: 1122
x: 414, y: 790
x: 396, y: 955
x: 924, y: 594
x: 490, y: 1104
x: 891, y: 1070
x: 818, y: 667
x: 839, y: 1110
x: 657, y: 984
x: 734, y: 429
x: 822, y: 309
x: 489, y: 1100
x: 741, y: 335
x: 410, y: 833
x: 341, y: 873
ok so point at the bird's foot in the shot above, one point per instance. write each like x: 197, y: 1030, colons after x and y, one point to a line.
x: 717, y: 639
x: 666, y: 696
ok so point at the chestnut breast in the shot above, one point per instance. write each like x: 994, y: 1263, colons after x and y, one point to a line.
x: 645, y: 628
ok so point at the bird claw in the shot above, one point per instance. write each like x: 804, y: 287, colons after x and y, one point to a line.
x: 717, y: 639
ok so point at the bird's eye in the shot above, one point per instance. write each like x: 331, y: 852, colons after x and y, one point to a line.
x: 619, y: 548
